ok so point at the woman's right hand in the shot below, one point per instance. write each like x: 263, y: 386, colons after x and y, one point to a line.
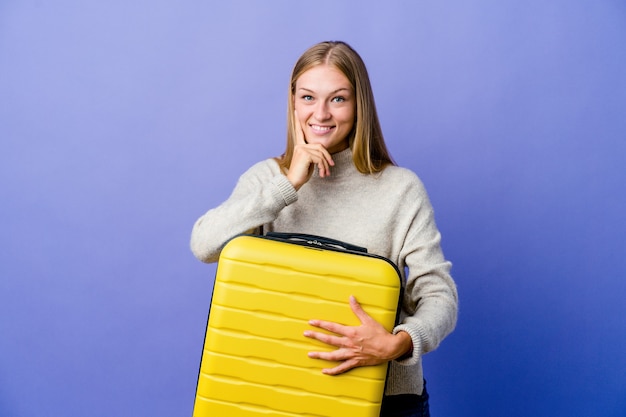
x: 305, y: 157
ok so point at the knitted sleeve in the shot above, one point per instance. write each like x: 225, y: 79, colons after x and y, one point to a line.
x: 430, y: 304
x: 259, y: 196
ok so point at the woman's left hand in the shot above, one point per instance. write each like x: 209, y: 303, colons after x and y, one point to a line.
x: 367, y: 344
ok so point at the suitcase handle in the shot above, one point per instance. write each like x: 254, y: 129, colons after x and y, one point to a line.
x: 313, y: 240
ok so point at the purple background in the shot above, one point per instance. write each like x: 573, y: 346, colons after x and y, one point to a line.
x: 121, y: 122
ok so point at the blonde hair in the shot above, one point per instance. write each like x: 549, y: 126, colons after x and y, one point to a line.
x: 369, y: 152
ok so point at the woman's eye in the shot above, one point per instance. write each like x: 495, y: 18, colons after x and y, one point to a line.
x: 307, y: 98
x: 339, y: 99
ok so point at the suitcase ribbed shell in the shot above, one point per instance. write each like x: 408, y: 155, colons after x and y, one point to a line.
x: 255, y: 362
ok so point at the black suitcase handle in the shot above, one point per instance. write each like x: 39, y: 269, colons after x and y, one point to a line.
x: 316, y: 241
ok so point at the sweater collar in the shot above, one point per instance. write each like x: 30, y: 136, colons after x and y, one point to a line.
x: 343, y: 164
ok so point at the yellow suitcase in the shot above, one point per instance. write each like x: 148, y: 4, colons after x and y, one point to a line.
x: 254, y: 361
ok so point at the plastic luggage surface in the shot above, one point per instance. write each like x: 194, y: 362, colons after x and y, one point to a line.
x: 254, y: 361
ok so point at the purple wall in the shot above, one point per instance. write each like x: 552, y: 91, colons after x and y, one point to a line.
x: 121, y: 122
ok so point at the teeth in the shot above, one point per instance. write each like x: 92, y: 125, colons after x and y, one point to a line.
x: 320, y: 128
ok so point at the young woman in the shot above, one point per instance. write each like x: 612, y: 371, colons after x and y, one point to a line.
x: 336, y: 179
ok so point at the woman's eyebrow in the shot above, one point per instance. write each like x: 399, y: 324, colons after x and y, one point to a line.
x: 332, y: 92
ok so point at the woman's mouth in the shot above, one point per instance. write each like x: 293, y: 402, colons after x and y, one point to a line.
x: 321, y: 130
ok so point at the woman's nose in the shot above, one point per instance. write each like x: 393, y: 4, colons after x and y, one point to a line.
x: 321, y: 111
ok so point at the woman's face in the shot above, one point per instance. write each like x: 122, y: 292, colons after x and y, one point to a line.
x: 325, y: 105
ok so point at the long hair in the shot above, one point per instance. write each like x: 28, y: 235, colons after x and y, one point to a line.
x: 369, y: 152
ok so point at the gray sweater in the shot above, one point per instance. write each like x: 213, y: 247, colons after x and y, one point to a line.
x: 389, y: 213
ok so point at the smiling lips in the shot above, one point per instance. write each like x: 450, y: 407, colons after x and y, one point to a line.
x: 321, y: 130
